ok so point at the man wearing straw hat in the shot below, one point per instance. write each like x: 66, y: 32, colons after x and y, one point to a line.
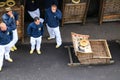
x: 5, y: 39
x: 10, y: 18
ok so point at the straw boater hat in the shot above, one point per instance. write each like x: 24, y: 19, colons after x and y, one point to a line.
x: 84, y: 42
x: 8, y: 9
x: 76, y: 1
x: 10, y: 3
x: 2, y: 4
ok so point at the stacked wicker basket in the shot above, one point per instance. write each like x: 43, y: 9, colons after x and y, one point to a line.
x: 109, y: 10
x: 75, y: 12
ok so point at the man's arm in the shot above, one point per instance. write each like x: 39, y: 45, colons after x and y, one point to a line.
x: 7, y: 20
x: 16, y: 15
x: 29, y: 30
x: 58, y: 14
x: 42, y: 29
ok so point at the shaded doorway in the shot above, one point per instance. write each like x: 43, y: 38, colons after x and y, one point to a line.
x: 93, y: 10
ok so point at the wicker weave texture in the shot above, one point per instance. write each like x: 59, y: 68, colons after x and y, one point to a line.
x: 112, y: 6
x: 74, y: 12
x: 100, y: 54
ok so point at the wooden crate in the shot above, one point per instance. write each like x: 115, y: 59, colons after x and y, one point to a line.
x: 74, y: 13
x: 109, y: 11
x: 73, y: 59
x: 20, y: 28
x: 100, y: 53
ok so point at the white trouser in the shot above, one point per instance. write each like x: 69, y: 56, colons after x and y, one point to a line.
x: 35, y: 42
x: 15, y: 38
x: 4, y: 51
x: 55, y: 33
x: 36, y: 13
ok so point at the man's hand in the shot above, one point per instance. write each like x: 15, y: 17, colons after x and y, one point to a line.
x: 10, y: 14
x: 17, y: 23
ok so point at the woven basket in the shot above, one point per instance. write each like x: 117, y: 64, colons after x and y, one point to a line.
x: 74, y: 13
x: 100, y: 55
x: 110, y: 10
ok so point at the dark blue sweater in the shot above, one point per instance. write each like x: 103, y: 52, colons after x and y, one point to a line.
x: 5, y: 37
x: 10, y: 22
x: 52, y: 19
x: 34, y: 30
